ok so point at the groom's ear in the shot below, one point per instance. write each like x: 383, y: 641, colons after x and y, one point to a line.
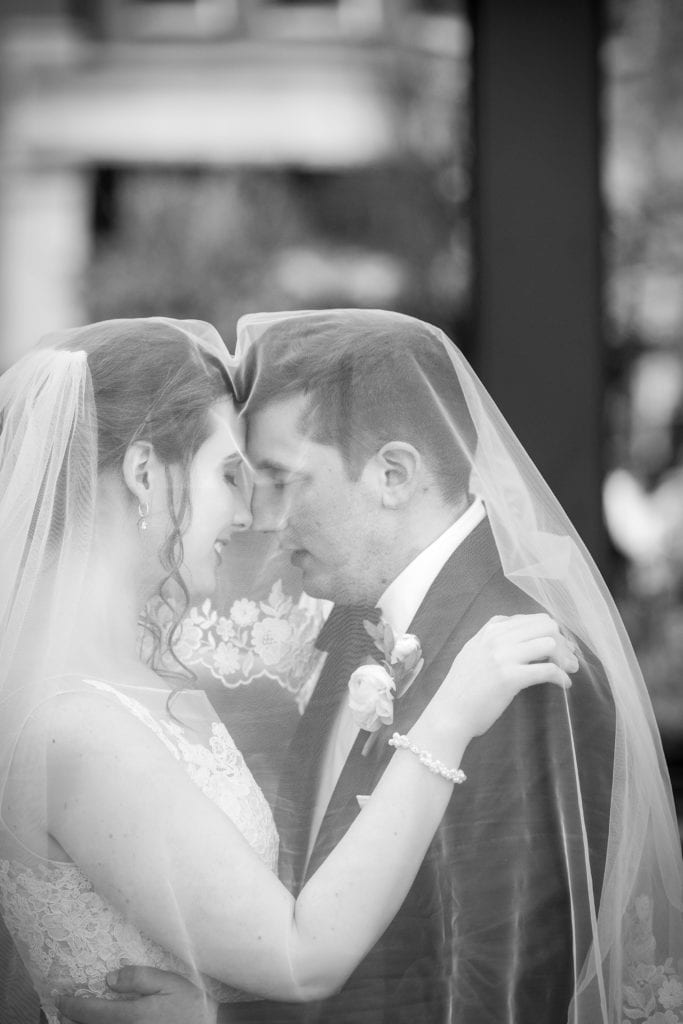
x: 400, y: 467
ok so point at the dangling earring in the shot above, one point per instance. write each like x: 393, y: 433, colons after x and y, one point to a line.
x: 143, y: 512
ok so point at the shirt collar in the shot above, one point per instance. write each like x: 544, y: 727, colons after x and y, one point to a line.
x: 404, y: 595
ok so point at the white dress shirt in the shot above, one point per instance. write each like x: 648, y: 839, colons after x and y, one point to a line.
x: 398, y: 605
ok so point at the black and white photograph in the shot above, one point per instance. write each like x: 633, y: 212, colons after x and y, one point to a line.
x: 341, y: 512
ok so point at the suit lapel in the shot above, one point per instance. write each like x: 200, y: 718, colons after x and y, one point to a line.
x: 439, y: 616
x: 460, y: 581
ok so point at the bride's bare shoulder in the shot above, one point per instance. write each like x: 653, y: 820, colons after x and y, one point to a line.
x: 79, y: 713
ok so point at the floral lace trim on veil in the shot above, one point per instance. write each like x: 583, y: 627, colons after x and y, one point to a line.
x: 274, y: 639
x: 653, y: 993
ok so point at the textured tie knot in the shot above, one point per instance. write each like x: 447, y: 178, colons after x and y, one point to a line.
x: 344, y: 630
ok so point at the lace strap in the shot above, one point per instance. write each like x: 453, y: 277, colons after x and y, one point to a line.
x: 138, y: 711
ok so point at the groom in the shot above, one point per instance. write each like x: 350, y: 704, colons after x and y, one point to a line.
x: 359, y: 437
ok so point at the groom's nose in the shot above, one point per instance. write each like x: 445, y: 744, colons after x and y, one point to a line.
x: 268, y: 514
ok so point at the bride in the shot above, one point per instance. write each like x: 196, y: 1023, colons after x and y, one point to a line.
x: 131, y: 830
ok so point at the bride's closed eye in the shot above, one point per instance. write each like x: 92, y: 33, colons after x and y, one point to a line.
x: 234, y: 472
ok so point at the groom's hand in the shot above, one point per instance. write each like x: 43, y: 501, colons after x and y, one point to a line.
x: 150, y: 996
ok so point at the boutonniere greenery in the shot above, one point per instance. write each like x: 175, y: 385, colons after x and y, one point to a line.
x: 373, y: 686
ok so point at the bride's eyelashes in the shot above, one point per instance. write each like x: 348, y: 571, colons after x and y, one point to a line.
x: 232, y: 471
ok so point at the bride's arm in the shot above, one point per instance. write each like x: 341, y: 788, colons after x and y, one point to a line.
x: 135, y: 823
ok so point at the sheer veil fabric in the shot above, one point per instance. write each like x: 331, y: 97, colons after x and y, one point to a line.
x: 51, y: 531
x: 561, y: 849
x: 48, y: 491
x: 48, y: 528
x: 616, y: 843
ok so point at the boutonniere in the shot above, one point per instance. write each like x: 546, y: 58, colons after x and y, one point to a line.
x: 372, y: 687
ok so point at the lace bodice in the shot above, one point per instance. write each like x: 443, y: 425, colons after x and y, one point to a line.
x: 68, y: 935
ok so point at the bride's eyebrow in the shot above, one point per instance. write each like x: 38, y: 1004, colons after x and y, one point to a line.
x: 232, y: 462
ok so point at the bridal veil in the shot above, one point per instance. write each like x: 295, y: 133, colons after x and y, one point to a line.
x: 624, y: 896
x: 49, y: 464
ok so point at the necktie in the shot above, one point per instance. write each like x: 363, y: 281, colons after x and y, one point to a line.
x: 348, y: 645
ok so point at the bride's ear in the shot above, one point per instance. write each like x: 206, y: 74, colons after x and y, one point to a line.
x: 400, y: 468
x: 140, y: 471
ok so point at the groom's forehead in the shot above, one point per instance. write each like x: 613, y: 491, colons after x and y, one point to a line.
x: 278, y: 422
x: 274, y: 437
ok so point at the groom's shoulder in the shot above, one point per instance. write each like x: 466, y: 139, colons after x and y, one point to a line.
x: 500, y: 596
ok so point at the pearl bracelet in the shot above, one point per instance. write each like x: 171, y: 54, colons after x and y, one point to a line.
x: 425, y: 758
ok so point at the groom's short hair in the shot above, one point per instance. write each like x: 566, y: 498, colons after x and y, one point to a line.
x: 370, y: 377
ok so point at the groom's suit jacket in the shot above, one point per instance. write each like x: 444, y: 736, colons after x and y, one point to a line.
x: 484, y: 935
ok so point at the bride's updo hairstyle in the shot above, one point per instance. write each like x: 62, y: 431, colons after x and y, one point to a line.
x: 150, y: 382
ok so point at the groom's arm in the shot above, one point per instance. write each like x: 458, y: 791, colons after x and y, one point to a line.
x: 152, y: 996
x: 19, y: 1001
x: 148, y: 996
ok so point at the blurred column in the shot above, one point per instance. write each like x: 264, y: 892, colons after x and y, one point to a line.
x: 44, y: 193
x: 538, y: 344
x: 19, y: 1002
x: 44, y: 231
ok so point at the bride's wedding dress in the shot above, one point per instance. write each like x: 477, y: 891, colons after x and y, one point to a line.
x: 68, y: 935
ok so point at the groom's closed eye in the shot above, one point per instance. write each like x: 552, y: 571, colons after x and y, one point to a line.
x: 276, y: 479
x: 278, y: 483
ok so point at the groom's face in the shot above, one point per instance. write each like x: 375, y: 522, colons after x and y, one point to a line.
x: 324, y: 520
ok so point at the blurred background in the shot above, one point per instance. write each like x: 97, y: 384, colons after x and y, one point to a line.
x: 510, y: 172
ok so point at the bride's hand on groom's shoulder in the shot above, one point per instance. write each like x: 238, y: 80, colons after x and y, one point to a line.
x: 508, y: 654
x: 149, y: 996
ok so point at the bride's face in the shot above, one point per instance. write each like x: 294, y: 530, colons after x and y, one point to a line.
x: 219, y: 503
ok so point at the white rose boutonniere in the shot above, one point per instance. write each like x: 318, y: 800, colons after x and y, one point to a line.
x: 406, y: 653
x: 371, y: 697
x: 372, y: 687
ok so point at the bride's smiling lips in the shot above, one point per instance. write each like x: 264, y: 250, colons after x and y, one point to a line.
x: 218, y: 546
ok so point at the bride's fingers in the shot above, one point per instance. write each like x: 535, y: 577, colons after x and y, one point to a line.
x: 541, y: 627
x: 542, y: 672
x: 549, y: 648
x: 529, y: 627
